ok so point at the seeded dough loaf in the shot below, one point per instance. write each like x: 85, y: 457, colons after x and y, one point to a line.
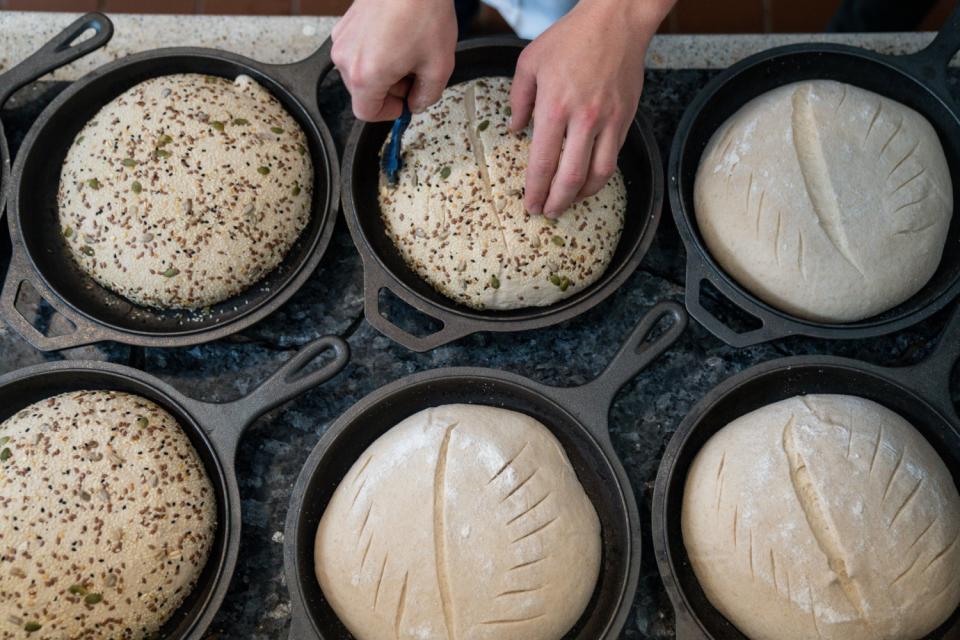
x: 824, y: 516
x: 185, y: 190
x: 457, y: 216
x: 462, y: 522
x: 827, y: 201
x: 107, y: 518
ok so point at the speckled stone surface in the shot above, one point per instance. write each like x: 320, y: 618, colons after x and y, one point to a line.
x: 642, y: 419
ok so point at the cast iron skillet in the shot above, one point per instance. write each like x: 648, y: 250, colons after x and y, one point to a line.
x: 52, y: 55
x: 383, y: 268
x: 918, y: 81
x: 41, y: 258
x: 919, y: 393
x: 577, y: 416
x: 214, y: 430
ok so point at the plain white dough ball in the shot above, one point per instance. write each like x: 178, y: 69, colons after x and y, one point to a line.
x: 457, y: 218
x: 824, y: 516
x: 825, y: 200
x: 185, y: 190
x: 463, y: 522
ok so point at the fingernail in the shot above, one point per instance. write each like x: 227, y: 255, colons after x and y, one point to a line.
x: 535, y: 209
x: 418, y: 106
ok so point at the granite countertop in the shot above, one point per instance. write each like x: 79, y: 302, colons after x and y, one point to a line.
x: 644, y: 415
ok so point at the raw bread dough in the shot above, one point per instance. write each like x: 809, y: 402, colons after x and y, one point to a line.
x: 457, y: 217
x: 462, y: 522
x: 185, y: 190
x: 107, y: 518
x: 825, y: 200
x: 824, y: 516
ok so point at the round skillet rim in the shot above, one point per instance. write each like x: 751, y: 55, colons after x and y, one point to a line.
x: 700, y: 264
x: 109, y: 376
x: 219, y: 426
x: 587, y: 406
x: 909, y: 381
x: 459, y: 320
x: 326, y: 166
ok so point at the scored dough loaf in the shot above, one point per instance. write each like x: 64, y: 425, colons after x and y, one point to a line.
x: 457, y: 216
x: 824, y: 516
x: 825, y: 200
x: 107, y: 518
x: 185, y: 190
x: 460, y: 523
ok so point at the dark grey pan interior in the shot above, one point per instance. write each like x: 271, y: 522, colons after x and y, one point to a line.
x: 577, y: 416
x: 920, y: 394
x: 41, y: 259
x: 918, y: 81
x: 384, y: 268
x: 213, y: 429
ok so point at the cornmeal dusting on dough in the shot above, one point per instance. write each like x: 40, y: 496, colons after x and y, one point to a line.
x: 185, y: 190
x: 107, y: 517
x: 457, y: 216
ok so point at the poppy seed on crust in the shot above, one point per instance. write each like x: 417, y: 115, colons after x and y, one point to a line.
x: 457, y: 216
x: 214, y: 172
x: 107, y: 517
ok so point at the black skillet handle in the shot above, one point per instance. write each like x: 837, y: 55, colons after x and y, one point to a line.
x: 58, y: 52
x: 303, y: 78
x: 931, y: 378
x: 592, y: 401
x: 697, y: 274
x: 226, y: 422
x: 931, y: 63
x: 18, y: 274
x: 373, y: 283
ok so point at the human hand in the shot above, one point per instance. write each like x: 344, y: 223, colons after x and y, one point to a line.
x: 386, y: 51
x: 581, y: 82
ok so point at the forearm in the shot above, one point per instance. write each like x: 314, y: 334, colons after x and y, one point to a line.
x: 639, y: 18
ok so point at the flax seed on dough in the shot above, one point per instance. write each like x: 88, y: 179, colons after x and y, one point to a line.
x: 185, y: 190
x: 107, y: 517
x: 457, y: 217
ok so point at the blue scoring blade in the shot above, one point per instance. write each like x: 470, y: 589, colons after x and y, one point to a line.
x: 393, y: 158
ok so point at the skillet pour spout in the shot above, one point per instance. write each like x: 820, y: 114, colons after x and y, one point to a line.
x: 576, y: 416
